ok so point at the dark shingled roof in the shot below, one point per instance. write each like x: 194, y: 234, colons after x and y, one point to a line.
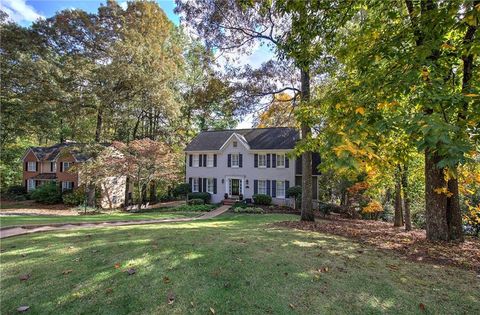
x: 51, y: 153
x: 257, y: 138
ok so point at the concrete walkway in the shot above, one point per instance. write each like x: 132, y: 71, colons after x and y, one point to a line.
x: 15, y: 231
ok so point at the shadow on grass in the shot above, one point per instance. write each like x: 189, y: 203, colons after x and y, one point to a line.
x: 233, y: 264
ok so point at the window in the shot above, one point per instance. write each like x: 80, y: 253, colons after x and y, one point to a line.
x: 53, y: 167
x: 235, y: 160
x: 196, y: 160
x: 280, y: 188
x: 235, y: 144
x: 280, y: 160
x: 262, y: 160
x: 30, y: 185
x: 210, y: 185
x: 67, y: 186
x: 195, y: 184
x: 66, y: 166
x: 262, y: 187
x: 114, y: 199
x: 32, y: 166
x: 210, y: 160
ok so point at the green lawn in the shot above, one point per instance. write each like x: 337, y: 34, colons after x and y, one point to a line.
x: 39, y: 219
x: 234, y: 264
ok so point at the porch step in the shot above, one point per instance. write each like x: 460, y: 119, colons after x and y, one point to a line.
x: 229, y: 202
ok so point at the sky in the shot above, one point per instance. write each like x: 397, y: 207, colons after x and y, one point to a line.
x: 24, y: 12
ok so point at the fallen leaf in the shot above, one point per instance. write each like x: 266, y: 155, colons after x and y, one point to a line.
x: 23, y: 308
x: 212, y: 310
x: 166, y: 279
x: 66, y: 272
x: 291, y: 306
x: 109, y: 290
x: 170, y: 298
x: 117, y: 265
x: 421, y: 306
x: 191, y: 303
x: 131, y: 271
x: 393, y: 267
x: 24, y: 277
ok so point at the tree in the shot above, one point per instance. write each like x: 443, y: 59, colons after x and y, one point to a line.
x: 279, y: 113
x: 144, y: 161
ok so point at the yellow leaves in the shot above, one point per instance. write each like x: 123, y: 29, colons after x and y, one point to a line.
x: 360, y: 110
x: 338, y: 106
x: 425, y: 73
x: 447, y: 46
x: 388, y: 105
x: 443, y: 190
x: 472, y: 95
x: 373, y: 207
x: 471, y: 19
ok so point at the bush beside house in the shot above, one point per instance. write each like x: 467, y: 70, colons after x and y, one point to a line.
x: 260, y: 199
x: 205, y: 196
x: 48, y: 193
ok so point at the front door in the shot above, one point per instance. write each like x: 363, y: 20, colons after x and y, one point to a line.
x: 235, y: 187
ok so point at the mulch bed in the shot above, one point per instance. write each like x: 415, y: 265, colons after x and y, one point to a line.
x: 411, y: 245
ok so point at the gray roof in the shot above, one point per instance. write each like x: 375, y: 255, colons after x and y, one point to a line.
x: 257, y: 138
x: 50, y: 153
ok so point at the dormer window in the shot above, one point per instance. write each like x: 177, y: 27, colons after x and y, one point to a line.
x: 235, y: 144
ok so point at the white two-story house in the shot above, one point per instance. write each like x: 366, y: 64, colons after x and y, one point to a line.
x: 244, y: 162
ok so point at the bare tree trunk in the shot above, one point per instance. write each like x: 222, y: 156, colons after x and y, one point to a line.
x: 91, y: 195
x: 406, y: 199
x: 153, y: 192
x: 435, y: 203
x: 307, y: 198
x: 454, y: 213
x: 98, y: 130
x: 398, y: 219
x: 127, y: 190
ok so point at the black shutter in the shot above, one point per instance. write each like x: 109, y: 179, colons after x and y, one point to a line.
x: 255, y: 161
x: 229, y: 160
x: 268, y: 160
x: 73, y: 185
x: 26, y: 184
x: 214, y: 160
x: 205, y: 188
x: 287, y: 162
x: 36, y: 166
x: 205, y: 160
x: 255, y: 186
x: 274, y: 188
x: 287, y: 185
x: 200, y: 160
x: 240, y: 160
x: 268, y: 187
x: 274, y: 160
x: 190, y: 160
x: 215, y: 186
x: 61, y: 166
x: 200, y: 184
x: 26, y: 166
x: 51, y: 166
x: 190, y: 181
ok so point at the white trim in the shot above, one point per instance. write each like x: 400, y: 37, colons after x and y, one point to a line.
x: 34, y: 167
x: 240, y: 138
x: 266, y: 163
x: 242, y: 184
x: 238, y: 160
x: 193, y: 184
x: 26, y: 153
x: 284, y: 190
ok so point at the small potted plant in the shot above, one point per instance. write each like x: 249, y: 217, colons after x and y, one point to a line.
x: 240, y: 197
x: 225, y: 196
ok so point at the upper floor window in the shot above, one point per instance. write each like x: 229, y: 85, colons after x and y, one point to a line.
x: 280, y: 160
x: 262, y: 160
x: 210, y: 160
x: 210, y: 185
x: 235, y: 144
x: 235, y: 160
x: 196, y: 159
x: 262, y: 187
x: 280, y: 188
x: 195, y: 184
x: 66, y: 166
x: 53, y: 167
x: 32, y: 166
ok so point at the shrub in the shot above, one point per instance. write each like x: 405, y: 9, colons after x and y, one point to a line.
x: 248, y: 210
x: 196, y: 201
x: 260, y: 199
x: 240, y: 205
x: 16, y: 191
x: 181, y: 190
x: 48, y: 193
x: 200, y: 195
x: 418, y: 220
x: 165, y: 198
x: 294, y: 191
x: 75, y: 197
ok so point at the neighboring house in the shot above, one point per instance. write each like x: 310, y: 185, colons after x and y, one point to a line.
x: 245, y: 162
x: 51, y: 164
